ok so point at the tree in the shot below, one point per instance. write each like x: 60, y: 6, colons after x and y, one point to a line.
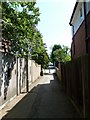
x: 19, y: 30
x: 52, y: 56
x: 60, y: 53
x: 18, y: 25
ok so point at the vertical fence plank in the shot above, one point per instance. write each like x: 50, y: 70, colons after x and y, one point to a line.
x: 88, y: 88
x: 76, y: 81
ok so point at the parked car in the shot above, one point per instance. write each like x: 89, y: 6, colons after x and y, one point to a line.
x: 51, y: 66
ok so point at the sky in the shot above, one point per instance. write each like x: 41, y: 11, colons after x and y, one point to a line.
x: 54, y: 22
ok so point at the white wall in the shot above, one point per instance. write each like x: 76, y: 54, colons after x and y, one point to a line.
x: 8, y: 86
x: 0, y: 68
x: 77, y: 19
x: 87, y: 7
x: 35, y: 71
x: 1, y: 80
x: 29, y: 71
x: 14, y: 84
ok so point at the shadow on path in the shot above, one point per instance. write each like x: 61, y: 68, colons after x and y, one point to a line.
x: 44, y: 101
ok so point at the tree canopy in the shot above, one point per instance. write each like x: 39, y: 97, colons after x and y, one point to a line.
x: 19, y: 30
x: 60, y: 53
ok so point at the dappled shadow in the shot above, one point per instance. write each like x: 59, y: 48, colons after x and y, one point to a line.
x: 1, y: 81
x: 7, y: 68
x: 22, y: 75
x: 44, y: 101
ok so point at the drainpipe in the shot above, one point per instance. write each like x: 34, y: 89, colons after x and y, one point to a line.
x: 85, y: 27
x: 72, y: 56
x: 83, y: 79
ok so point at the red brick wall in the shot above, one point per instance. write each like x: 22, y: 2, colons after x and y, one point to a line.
x: 89, y: 45
x: 72, y: 49
x: 79, y: 42
x: 88, y: 24
x: 88, y: 31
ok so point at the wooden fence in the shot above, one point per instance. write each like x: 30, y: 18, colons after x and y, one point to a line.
x: 75, y: 77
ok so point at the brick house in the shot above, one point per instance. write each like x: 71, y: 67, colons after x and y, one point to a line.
x: 80, y: 23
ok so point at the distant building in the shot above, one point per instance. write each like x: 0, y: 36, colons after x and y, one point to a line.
x: 80, y: 23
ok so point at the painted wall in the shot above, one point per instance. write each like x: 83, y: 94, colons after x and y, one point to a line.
x: 29, y: 71
x: 0, y: 71
x: 13, y: 82
x: 8, y: 86
x: 87, y: 7
x: 35, y: 71
x: 77, y: 19
x: 58, y: 71
x: 21, y: 80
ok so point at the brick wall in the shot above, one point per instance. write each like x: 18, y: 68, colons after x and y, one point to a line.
x: 88, y: 24
x: 79, y: 44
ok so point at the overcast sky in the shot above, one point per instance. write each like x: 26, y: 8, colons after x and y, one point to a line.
x: 54, y: 21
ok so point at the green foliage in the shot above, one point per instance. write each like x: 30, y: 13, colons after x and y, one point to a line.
x: 60, y: 53
x: 19, y: 22
x: 52, y: 56
x: 18, y: 25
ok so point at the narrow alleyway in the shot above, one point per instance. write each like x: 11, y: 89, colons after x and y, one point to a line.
x: 46, y: 99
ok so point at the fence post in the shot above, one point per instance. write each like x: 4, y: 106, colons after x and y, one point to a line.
x: 86, y: 85
x: 27, y: 88
x: 17, y: 76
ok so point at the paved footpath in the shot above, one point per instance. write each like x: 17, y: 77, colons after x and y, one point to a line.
x: 46, y: 99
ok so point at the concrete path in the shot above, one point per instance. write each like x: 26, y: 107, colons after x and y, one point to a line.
x: 46, y: 99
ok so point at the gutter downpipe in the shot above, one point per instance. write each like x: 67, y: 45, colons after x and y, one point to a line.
x: 83, y: 79
x: 85, y: 26
x: 72, y: 55
x: 73, y: 41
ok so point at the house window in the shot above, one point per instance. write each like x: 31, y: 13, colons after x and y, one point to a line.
x: 81, y: 12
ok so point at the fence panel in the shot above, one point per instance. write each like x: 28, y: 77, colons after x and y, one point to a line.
x: 86, y: 85
x: 76, y: 81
